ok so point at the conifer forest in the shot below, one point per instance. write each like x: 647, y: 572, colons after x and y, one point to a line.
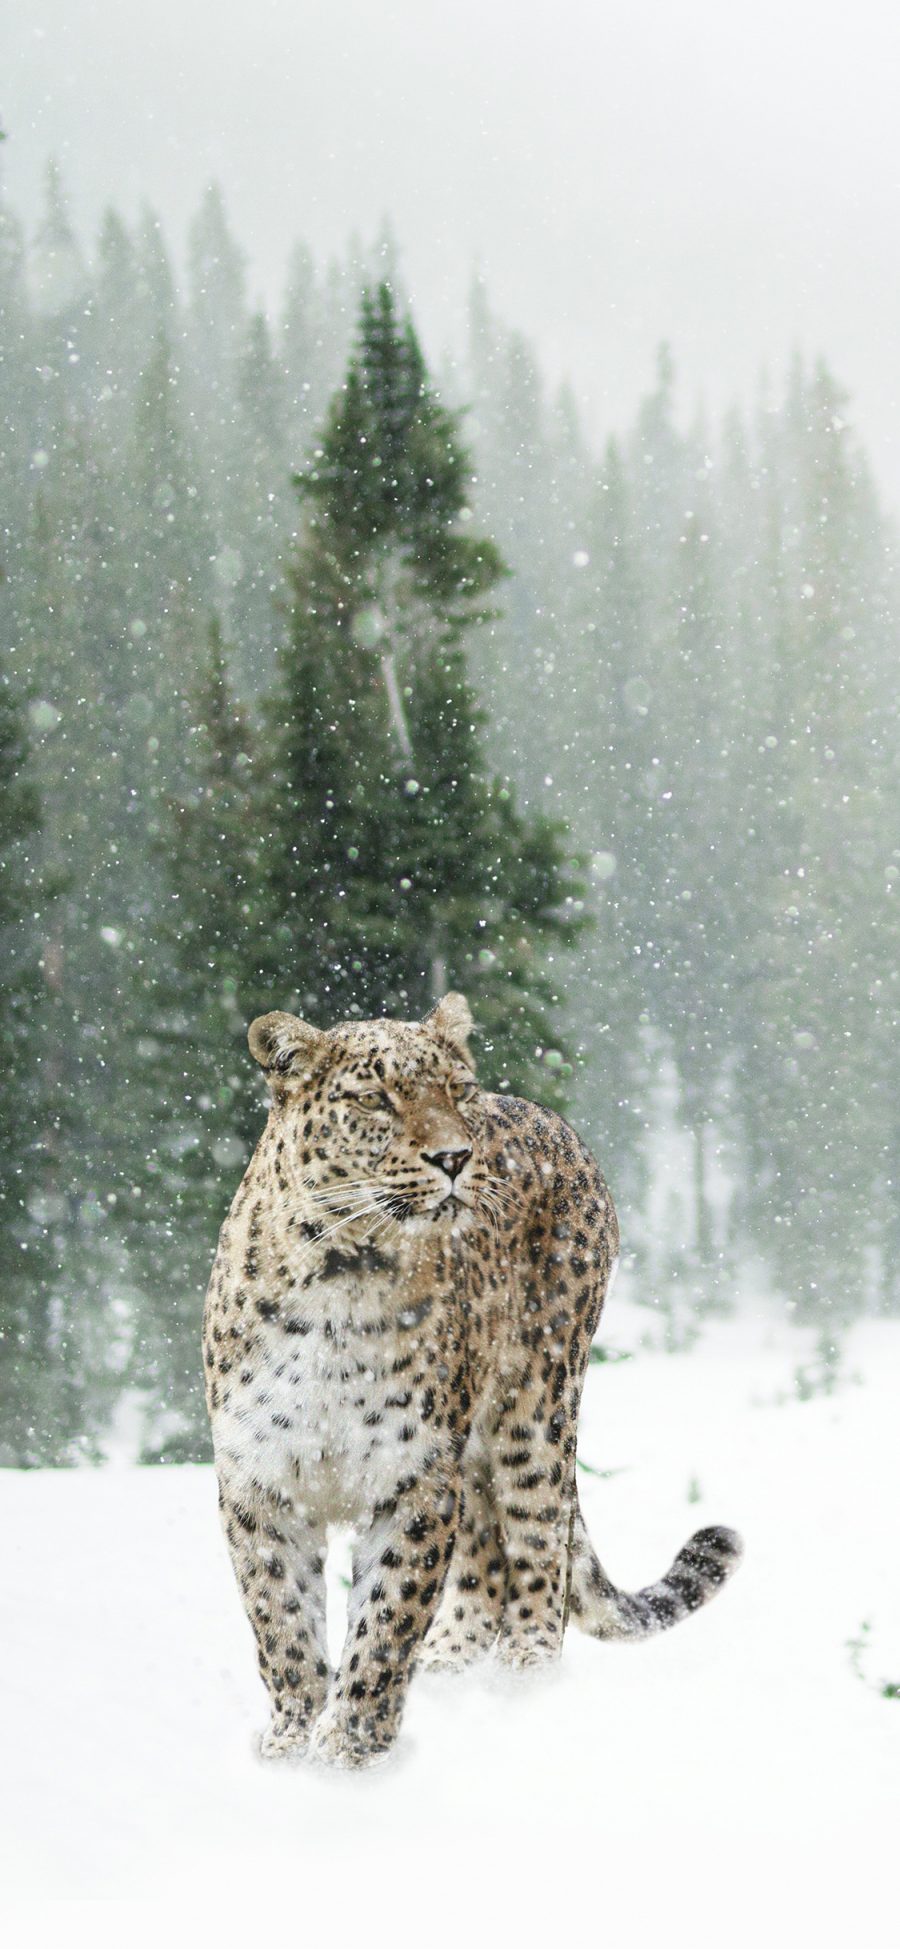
x: 340, y: 670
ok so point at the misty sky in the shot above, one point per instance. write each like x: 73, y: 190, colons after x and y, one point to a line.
x: 725, y: 176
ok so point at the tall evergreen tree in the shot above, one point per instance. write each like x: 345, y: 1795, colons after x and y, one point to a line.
x: 819, y: 1135
x: 156, y: 297
x: 112, y: 336
x: 249, y: 568
x: 39, y: 1377
x: 216, y: 283
x: 57, y: 265
x: 609, y: 815
x: 194, y: 1096
x: 169, y: 580
x: 396, y: 865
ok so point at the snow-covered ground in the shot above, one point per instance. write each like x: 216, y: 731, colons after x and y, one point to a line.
x: 736, y: 1780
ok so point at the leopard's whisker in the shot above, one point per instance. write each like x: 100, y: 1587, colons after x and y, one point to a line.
x: 348, y: 1218
x: 385, y: 1225
x: 352, y: 1196
x: 501, y: 1188
x: 487, y: 1206
x: 340, y: 1188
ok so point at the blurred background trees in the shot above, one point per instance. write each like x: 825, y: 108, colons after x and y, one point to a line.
x: 322, y: 695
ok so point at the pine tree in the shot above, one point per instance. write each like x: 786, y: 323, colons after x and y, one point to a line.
x: 609, y: 817
x: 156, y: 298
x: 817, y: 1108
x: 249, y: 568
x: 216, y: 324
x: 57, y: 266
x: 300, y: 349
x: 396, y: 865
x: 38, y: 1371
x: 170, y: 576
x: 113, y: 347
x: 18, y: 379
x: 514, y: 495
x: 194, y: 1096
x: 216, y: 280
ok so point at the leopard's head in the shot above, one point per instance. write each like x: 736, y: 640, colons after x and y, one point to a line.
x: 382, y: 1121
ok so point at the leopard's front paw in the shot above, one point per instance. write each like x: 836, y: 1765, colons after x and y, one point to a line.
x: 441, y: 1658
x: 350, y: 1739
x: 284, y: 1739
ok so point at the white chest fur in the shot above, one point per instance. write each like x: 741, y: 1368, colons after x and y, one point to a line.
x: 317, y: 1412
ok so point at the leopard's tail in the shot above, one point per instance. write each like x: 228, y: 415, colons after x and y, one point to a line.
x: 699, y: 1570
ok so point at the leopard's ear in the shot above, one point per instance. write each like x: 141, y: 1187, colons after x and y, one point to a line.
x: 285, y: 1046
x: 451, y: 1019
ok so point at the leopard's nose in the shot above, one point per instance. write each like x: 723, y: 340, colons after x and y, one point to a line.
x: 451, y: 1161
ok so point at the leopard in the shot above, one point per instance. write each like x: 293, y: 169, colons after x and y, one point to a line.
x: 398, y: 1324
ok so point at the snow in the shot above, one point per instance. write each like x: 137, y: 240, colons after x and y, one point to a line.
x: 733, y: 1777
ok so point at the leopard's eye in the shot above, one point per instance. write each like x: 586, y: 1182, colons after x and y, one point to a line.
x: 371, y: 1100
x: 465, y: 1091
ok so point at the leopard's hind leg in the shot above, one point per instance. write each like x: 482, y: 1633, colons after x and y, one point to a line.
x: 467, y: 1621
x: 534, y: 1466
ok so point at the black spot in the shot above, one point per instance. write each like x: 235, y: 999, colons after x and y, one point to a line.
x: 335, y: 1264
x: 689, y: 1588
x: 414, y: 1315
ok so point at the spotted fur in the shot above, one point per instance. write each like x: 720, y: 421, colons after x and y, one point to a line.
x: 396, y: 1334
